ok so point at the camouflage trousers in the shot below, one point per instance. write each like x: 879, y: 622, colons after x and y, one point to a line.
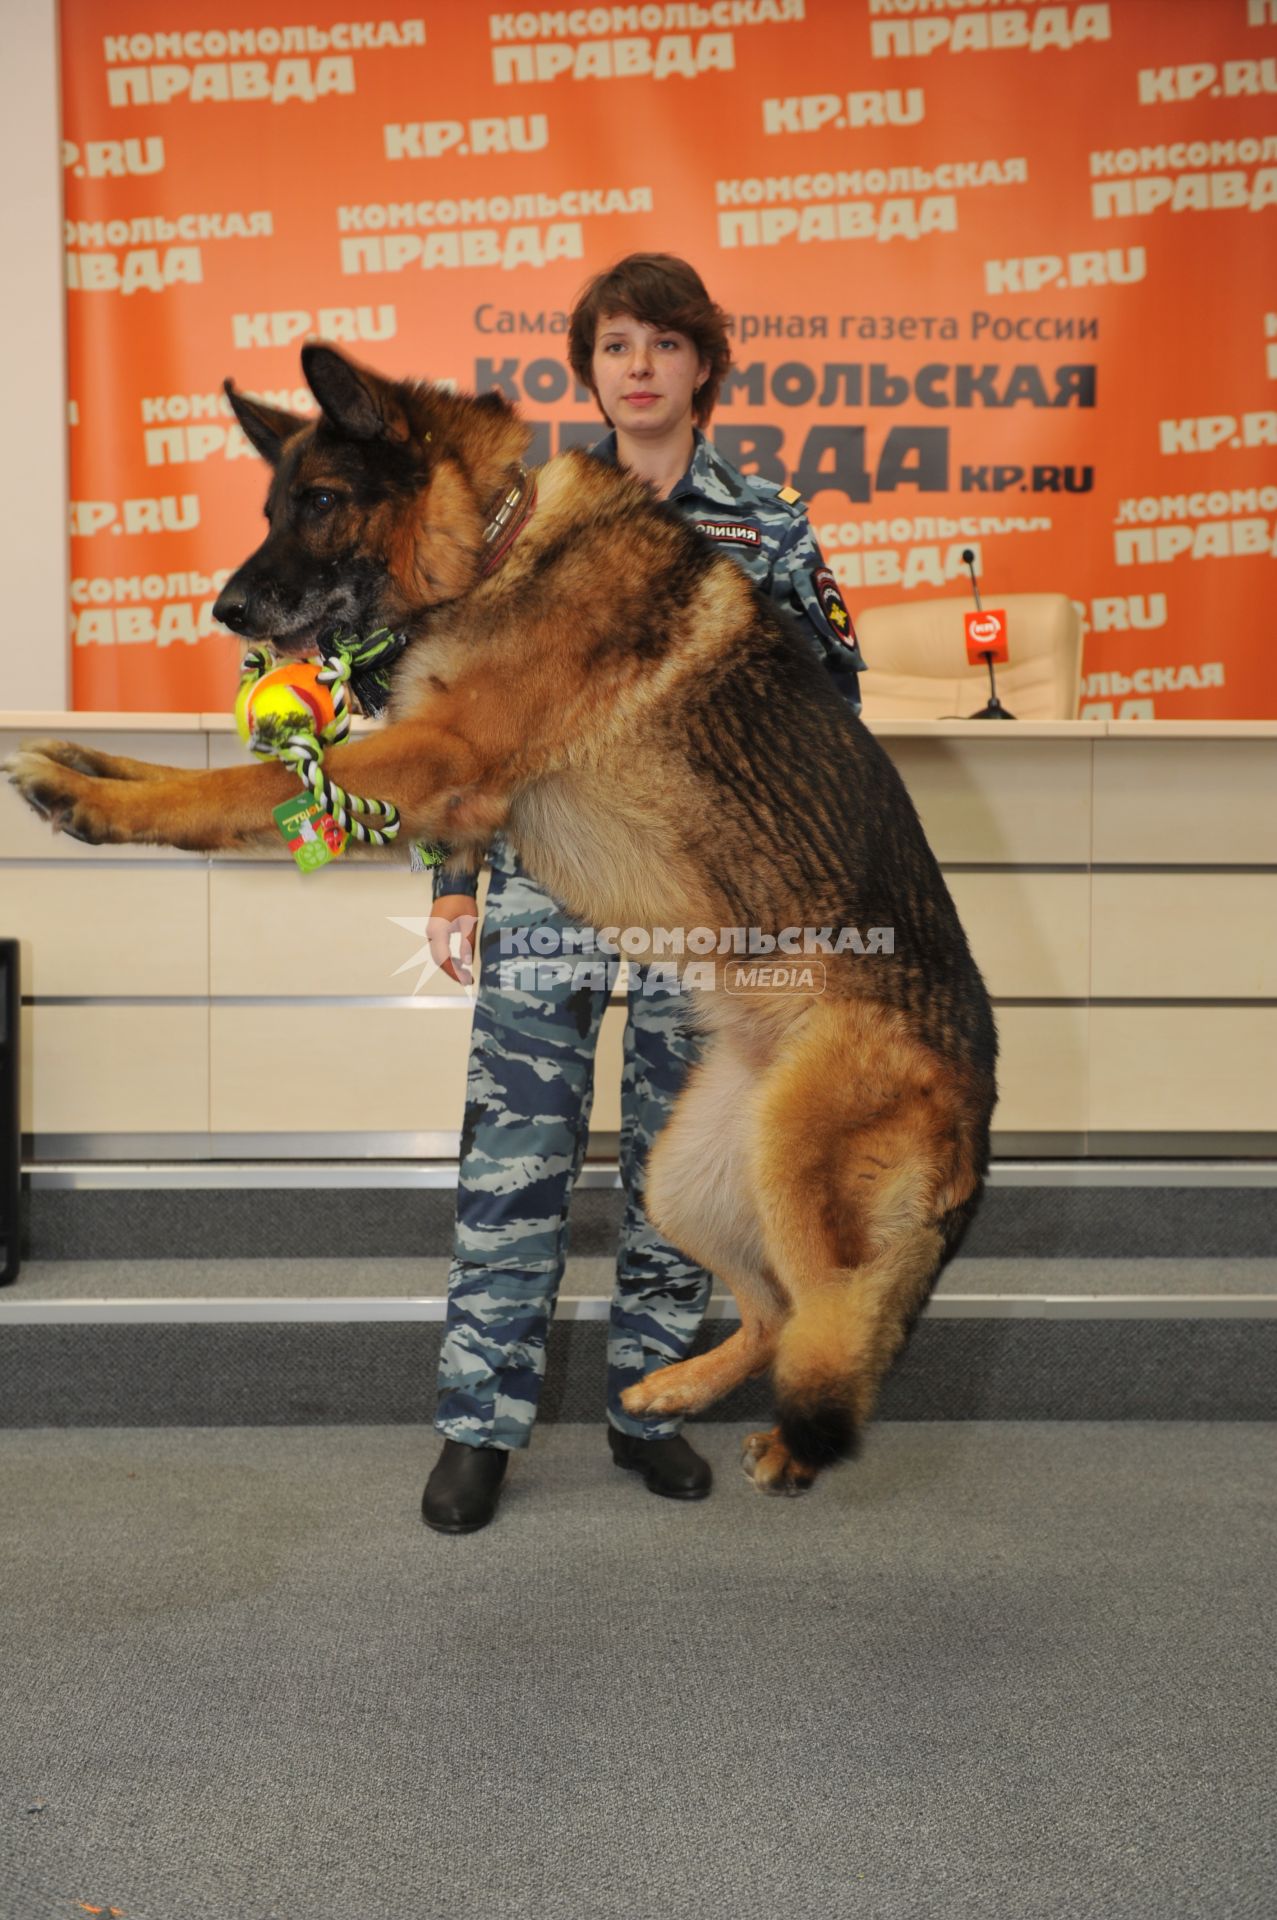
x: 529, y: 1091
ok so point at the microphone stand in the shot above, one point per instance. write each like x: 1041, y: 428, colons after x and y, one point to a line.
x: 993, y: 708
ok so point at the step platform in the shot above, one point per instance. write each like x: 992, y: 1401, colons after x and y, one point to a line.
x: 257, y: 1305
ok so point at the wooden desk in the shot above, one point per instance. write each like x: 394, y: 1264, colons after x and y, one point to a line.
x: 1118, y: 881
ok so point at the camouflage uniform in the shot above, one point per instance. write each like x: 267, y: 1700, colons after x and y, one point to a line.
x: 530, y: 1082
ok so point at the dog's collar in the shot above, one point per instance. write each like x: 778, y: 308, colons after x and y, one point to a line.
x: 512, y: 512
x: 365, y: 663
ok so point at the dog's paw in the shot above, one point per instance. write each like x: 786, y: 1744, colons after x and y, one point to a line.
x: 27, y: 770
x: 59, y: 794
x: 772, y: 1467
x: 86, y: 760
x: 670, y: 1390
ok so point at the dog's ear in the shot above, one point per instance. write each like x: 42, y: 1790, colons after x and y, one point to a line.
x: 266, y: 427
x: 357, y: 401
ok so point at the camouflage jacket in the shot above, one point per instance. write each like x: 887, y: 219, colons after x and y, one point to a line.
x: 765, y: 529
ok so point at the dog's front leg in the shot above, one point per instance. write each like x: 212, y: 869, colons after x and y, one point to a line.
x: 411, y: 764
x: 106, y: 766
x: 201, y: 812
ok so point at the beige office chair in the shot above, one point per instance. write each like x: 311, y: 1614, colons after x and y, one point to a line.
x: 917, y: 659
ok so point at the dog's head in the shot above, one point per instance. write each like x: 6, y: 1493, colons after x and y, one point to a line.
x: 377, y: 507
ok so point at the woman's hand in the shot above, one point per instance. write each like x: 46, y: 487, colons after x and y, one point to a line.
x: 453, y: 912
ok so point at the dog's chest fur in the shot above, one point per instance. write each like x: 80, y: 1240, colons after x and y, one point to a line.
x: 608, y: 861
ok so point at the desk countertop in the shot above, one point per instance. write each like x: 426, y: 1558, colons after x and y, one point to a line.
x: 221, y: 723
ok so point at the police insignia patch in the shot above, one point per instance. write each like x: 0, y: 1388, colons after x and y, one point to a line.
x: 831, y: 605
x: 734, y: 532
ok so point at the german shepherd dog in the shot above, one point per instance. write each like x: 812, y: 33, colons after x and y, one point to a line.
x: 664, y: 751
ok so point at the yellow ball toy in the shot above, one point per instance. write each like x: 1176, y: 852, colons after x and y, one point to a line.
x: 287, y: 700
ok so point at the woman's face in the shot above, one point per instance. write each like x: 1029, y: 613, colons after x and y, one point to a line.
x: 645, y: 376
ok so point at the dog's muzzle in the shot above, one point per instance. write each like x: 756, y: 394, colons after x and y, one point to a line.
x: 232, y: 609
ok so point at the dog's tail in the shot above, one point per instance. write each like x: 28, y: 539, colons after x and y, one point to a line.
x: 840, y: 1339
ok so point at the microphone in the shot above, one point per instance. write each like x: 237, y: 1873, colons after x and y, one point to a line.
x: 987, y: 641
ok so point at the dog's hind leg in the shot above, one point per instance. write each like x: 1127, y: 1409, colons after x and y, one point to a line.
x: 859, y: 1215
x: 698, y: 1196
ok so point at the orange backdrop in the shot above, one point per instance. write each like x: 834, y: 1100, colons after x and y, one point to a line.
x: 1000, y: 276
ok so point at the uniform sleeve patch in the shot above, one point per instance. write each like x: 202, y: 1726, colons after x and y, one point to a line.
x: 832, y: 606
x: 790, y: 495
x: 737, y: 533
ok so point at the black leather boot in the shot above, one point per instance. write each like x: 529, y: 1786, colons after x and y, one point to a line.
x: 462, y: 1492
x: 671, y: 1466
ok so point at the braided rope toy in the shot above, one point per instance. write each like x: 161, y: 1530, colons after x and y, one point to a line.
x: 291, y: 713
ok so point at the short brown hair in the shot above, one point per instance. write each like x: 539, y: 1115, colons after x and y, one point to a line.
x: 664, y: 291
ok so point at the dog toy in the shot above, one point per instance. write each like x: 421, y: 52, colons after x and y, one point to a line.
x: 291, y: 713
x: 273, y: 704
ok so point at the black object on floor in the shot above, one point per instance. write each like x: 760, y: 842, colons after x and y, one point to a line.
x: 10, y: 1122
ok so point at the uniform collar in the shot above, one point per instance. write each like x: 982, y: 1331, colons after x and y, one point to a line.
x: 701, y: 467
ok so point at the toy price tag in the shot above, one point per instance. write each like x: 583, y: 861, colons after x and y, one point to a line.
x: 313, y: 836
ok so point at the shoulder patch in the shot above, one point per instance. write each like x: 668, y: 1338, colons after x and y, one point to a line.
x: 832, y: 605
x: 789, y: 495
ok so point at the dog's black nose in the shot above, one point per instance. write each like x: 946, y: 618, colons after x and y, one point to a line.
x: 232, y: 610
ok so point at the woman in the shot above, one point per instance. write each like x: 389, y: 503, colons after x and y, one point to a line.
x: 652, y: 347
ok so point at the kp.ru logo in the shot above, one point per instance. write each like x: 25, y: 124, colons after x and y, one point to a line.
x: 986, y: 634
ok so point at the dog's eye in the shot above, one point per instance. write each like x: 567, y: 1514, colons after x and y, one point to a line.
x: 320, y: 501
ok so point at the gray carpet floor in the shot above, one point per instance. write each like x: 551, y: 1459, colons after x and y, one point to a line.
x: 987, y: 1671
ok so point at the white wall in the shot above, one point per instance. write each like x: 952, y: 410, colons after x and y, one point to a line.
x: 34, y: 668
